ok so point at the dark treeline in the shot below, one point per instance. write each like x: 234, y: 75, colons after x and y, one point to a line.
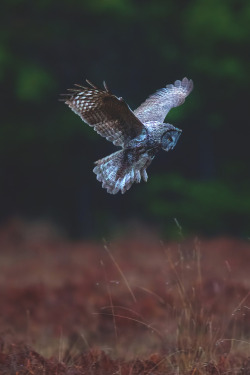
x: 47, y: 153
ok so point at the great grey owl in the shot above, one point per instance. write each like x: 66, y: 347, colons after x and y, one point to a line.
x: 141, y: 133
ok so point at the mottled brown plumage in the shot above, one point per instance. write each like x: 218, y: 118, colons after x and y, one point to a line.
x: 141, y: 133
x: 110, y: 116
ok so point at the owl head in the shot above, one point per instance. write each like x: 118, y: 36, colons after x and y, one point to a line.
x: 170, y: 137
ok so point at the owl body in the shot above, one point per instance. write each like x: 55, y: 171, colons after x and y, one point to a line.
x: 141, y: 133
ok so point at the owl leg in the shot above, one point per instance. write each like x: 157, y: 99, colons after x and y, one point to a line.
x: 137, y: 176
x: 143, y: 171
x: 144, y: 175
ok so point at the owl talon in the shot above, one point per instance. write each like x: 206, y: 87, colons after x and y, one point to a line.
x: 144, y: 175
x: 137, y: 177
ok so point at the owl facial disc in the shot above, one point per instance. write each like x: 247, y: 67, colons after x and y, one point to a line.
x: 170, y: 138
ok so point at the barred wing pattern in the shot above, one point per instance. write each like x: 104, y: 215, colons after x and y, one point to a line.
x: 157, y: 106
x: 109, y: 115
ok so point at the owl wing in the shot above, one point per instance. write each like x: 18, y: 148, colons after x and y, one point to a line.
x: 157, y: 106
x: 109, y: 115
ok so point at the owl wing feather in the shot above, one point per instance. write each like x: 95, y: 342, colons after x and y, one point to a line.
x: 157, y: 106
x: 109, y: 115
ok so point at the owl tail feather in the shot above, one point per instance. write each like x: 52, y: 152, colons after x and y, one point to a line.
x: 118, y: 172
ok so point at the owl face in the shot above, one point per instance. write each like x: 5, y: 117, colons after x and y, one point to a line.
x: 170, y: 138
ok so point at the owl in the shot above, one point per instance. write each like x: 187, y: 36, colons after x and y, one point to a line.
x: 140, y: 133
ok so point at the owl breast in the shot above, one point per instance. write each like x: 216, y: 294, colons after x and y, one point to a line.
x: 139, y: 141
x: 155, y: 129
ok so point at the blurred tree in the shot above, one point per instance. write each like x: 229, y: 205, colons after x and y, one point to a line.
x: 138, y: 46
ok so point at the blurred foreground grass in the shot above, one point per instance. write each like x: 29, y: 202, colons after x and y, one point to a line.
x: 180, y: 307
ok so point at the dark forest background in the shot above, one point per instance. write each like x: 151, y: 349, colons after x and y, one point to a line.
x: 47, y: 152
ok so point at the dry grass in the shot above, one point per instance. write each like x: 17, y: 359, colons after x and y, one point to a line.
x: 138, y: 307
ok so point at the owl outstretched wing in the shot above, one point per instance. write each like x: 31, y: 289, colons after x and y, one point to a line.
x: 109, y: 115
x: 157, y: 106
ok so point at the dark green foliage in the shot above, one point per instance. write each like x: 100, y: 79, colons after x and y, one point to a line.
x: 138, y: 46
x: 210, y: 204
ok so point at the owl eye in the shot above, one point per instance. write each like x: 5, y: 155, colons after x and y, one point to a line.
x: 170, y: 139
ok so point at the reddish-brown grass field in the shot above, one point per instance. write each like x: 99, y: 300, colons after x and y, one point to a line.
x: 134, y: 306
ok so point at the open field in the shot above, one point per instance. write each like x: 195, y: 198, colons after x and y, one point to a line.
x: 135, y: 306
